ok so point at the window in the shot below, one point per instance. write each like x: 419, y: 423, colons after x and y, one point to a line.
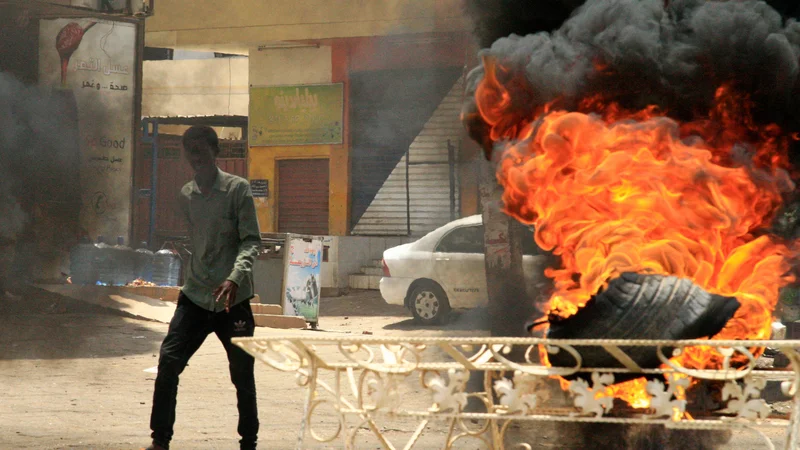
x: 462, y: 240
x: 469, y: 239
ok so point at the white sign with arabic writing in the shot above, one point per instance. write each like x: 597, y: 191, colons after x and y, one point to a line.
x: 95, y: 59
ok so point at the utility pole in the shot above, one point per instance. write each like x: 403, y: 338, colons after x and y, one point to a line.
x: 509, y: 304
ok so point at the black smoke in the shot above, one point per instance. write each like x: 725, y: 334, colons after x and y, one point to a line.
x: 494, y: 19
x: 787, y: 8
x: 639, y: 53
x: 39, y: 159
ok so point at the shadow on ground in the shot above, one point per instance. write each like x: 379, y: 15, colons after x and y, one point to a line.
x: 579, y: 436
x: 37, y: 324
x: 461, y: 320
x: 359, y: 304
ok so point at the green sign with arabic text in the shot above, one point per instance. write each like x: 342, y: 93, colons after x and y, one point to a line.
x: 296, y: 115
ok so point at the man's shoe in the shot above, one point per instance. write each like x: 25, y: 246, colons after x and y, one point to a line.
x: 154, y: 446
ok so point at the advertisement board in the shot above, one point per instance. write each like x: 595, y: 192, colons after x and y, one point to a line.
x: 302, y: 278
x: 296, y: 115
x: 96, y: 60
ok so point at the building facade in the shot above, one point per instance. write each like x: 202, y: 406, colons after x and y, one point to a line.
x: 70, y: 88
x: 353, y: 106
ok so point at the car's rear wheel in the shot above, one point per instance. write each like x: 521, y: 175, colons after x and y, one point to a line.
x: 429, y: 304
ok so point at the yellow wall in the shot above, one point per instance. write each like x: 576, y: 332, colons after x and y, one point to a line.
x: 471, y: 159
x: 210, y: 23
x: 263, y: 165
x: 242, y: 26
x: 304, y: 65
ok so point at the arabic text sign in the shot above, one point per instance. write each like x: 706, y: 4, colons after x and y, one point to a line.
x: 296, y: 115
x: 97, y: 63
x: 302, y: 279
x: 260, y: 188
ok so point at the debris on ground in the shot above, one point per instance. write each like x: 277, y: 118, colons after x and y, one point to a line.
x: 141, y: 282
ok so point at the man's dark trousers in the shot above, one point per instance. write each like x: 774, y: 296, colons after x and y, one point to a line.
x: 188, y: 329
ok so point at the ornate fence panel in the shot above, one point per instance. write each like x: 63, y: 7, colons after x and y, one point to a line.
x: 366, y: 376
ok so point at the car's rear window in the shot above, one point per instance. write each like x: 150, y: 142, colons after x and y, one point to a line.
x: 462, y: 240
x: 469, y: 239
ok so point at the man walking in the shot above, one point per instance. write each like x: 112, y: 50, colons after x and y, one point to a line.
x: 218, y: 286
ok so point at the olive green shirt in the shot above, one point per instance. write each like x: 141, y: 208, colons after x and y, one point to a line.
x: 225, y: 238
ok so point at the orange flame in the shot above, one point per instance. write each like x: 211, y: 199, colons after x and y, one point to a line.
x: 628, y: 191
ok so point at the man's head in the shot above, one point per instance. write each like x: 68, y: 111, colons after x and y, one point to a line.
x: 201, y: 147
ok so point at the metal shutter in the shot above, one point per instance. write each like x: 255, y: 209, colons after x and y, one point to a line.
x: 430, y: 190
x: 388, y: 110
x: 303, y: 196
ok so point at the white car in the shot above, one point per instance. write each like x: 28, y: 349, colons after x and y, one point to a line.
x: 445, y: 269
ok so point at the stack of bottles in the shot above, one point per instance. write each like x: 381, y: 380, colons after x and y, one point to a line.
x: 166, y: 268
x: 118, y: 265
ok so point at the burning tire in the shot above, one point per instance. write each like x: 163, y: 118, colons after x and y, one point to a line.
x: 637, y: 306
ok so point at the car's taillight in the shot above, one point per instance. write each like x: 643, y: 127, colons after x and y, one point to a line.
x: 385, y: 269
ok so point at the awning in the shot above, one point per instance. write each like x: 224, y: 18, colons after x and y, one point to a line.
x: 211, y: 121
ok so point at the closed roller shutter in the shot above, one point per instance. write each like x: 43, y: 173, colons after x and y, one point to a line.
x: 429, y: 179
x: 388, y: 110
x: 303, y: 196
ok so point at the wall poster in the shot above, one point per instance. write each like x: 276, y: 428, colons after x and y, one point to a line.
x: 296, y: 115
x: 302, y: 278
x: 96, y: 59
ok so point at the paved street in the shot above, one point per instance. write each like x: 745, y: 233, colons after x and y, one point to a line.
x: 73, y: 376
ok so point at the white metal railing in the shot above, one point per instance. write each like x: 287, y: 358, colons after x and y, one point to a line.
x: 368, y: 374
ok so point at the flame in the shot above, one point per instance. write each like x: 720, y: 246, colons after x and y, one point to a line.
x: 632, y: 391
x: 613, y: 191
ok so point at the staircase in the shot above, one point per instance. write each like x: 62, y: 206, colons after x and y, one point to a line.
x: 369, y: 277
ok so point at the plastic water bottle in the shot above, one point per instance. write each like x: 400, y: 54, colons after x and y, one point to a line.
x: 144, y: 263
x: 81, y: 264
x: 123, y: 263
x: 103, y: 263
x: 166, y: 268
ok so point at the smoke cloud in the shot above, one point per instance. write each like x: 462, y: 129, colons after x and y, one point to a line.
x: 494, y: 19
x: 13, y: 218
x: 641, y: 53
x: 38, y: 144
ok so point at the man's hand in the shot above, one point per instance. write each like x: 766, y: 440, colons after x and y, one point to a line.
x: 227, y: 293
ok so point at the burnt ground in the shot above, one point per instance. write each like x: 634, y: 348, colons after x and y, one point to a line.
x: 73, y: 376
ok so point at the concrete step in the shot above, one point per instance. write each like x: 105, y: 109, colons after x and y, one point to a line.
x: 377, y: 271
x: 278, y: 321
x: 361, y: 281
x: 263, y: 308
